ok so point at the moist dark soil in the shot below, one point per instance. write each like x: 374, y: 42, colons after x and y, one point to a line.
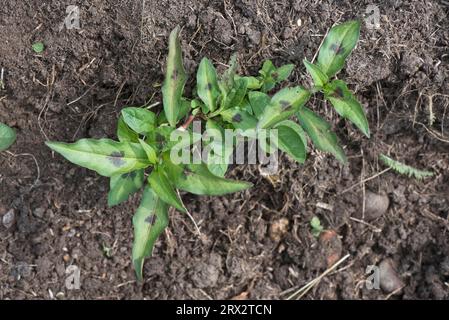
x: 254, y: 244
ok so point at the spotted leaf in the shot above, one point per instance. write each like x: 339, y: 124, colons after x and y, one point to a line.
x: 283, y: 105
x: 337, y: 46
x: 149, y: 221
x: 320, y: 133
x: 207, y: 85
x: 105, y: 156
x: 175, y: 79
x: 123, y: 185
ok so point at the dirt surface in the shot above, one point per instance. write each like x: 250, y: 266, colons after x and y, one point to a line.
x: 257, y: 243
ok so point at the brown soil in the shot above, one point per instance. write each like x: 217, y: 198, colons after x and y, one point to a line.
x: 78, y: 85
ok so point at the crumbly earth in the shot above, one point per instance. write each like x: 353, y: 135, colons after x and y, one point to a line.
x: 258, y: 243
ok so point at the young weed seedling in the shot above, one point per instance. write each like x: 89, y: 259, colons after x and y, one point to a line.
x: 7, y: 137
x: 143, y: 156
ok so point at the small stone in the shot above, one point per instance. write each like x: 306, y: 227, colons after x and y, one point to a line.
x: 278, y: 229
x: 39, y: 212
x: 66, y: 258
x: 60, y: 295
x: 332, y: 246
x: 376, y: 205
x: 8, y: 219
x: 389, y: 279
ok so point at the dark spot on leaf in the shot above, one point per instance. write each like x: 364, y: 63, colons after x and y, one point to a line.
x: 151, y: 219
x: 186, y: 173
x: 337, y: 49
x: 284, y: 104
x: 209, y: 86
x: 275, y: 75
x: 131, y: 175
x: 116, y: 158
x: 338, y: 93
x: 237, y: 118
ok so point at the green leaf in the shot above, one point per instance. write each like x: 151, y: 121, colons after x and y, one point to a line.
x: 124, y: 133
x: 236, y: 95
x: 105, y: 156
x: 161, y: 185
x: 175, y: 79
x: 282, y: 73
x: 347, y: 105
x: 123, y: 185
x: 226, y: 82
x: 240, y: 119
x: 259, y: 101
x: 318, y: 76
x: 207, y: 85
x: 218, y: 161
x: 283, y: 105
x: 197, y: 179
x: 317, y: 228
x: 337, y: 46
x: 292, y: 140
x: 150, y: 219
x: 149, y: 150
x: 38, y: 47
x: 320, y: 133
x: 184, y: 109
x: 7, y: 137
x: 252, y: 83
x: 404, y: 169
x: 139, y: 120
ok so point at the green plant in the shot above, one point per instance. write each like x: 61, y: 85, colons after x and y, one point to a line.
x: 7, y: 136
x: 317, y: 228
x: 244, y: 104
x: 38, y: 47
x: 404, y: 169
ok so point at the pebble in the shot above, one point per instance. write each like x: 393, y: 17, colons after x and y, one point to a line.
x: 8, y: 219
x: 39, y: 212
x: 278, y: 229
x: 389, y: 279
x: 376, y: 205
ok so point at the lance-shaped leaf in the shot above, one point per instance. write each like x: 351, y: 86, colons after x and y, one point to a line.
x: 292, y: 140
x: 259, y: 101
x: 337, y: 46
x: 123, y: 185
x: 221, y: 150
x: 283, y: 72
x: 226, y: 82
x: 283, y: 105
x: 105, y: 156
x: 347, y: 105
x: 236, y: 95
x: 139, y: 120
x: 197, y: 179
x: 150, y: 219
x: 207, y: 85
x: 318, y: 76
x: 252, y: 83
x: 162, y: 186
x: 7, y: 136
x: 149, y: 150
x: 124, y: 133
x: 175, y: 79
x: 240, y: 119
x: 320, y: 133
x: 184, y: 109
